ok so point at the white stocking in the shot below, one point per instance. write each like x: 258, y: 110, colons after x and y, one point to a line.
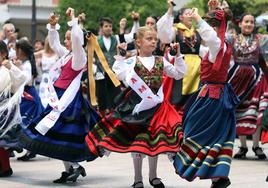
x: 256, y: 137
x: 152, y: 167
x: 137, y: 161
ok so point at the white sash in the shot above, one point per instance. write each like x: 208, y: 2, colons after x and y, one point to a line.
x: 58, y: 105
x: 149, y: 99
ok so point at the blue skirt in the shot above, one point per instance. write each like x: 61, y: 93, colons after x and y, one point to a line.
x: 66, y: 139
x: 30, y: 106
x: 209, y: 133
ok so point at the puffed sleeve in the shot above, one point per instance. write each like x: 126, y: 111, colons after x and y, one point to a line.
x: 165, y: 30
x: 210, y: 38
x: 54, y: 40
x: 77, y: 37
x: 177, y: 70
x: 19, y: 77
x: 122, y: 66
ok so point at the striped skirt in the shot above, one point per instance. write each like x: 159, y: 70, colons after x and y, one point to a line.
x: 209, y: 133
x: 152, y: 132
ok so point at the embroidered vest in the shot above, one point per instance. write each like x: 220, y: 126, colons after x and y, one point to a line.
x: 109, y: 54
x: 154, y: 77
x: 246, y: 50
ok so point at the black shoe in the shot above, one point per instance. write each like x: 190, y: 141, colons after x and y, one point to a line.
x: 63, y: 178
x: 76, y: 173
x: 159, y: 185
x: 6, y: 173
x: 241, y: 153
x: 26, y: 157
x: 138, y: 184
x: 259, y: 152
x: 221, y: 183
x: 267, y: 178
x: 11, y: 154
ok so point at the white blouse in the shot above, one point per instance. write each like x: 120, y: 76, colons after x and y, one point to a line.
x: 79, y: 55
x: 212, y: 43
x: 122, y: 66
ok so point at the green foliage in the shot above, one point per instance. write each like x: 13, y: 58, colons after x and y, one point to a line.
x: 116, y: 9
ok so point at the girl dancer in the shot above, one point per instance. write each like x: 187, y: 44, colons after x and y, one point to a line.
x: 190, y: 42
x: 209, y: 124
x: 60, y: 130
x: 144, y: 122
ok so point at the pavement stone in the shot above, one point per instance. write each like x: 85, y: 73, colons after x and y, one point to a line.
x: 116, y: 171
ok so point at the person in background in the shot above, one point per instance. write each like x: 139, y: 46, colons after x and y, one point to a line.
x: 10, y: 37
x: 105, y: 89
x: 248, y: 75
x: 11, y: 87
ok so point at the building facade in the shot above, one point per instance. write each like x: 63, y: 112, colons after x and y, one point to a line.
x: 19, y: 12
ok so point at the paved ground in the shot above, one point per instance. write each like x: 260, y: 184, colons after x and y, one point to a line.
x: 116, y: 172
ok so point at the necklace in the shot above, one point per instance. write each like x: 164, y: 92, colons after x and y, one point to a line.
x: 189, y: 41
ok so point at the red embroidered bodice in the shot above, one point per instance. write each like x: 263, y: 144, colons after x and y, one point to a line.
x: 67, y: 76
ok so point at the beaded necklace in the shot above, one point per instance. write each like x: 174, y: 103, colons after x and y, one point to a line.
x: 246, y: 44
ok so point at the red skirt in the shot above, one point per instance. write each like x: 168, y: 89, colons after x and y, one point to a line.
x: 162, y: 134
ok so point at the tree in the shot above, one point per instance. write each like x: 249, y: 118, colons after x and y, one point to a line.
x: 116, y: 9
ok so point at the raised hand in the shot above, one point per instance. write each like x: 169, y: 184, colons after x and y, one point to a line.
x: 135, y: 16
x: 82, y: 18
x: 53, y: 19
x: 175, y: 49
x: 70, y: 13
x: 170, y: 6
x: 6, y: 63
x: 195, y: 15
x: 122, y: 49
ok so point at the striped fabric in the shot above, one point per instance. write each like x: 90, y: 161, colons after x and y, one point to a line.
x: 209, y: 132
x: 249, y: 113
x: 114, y: 135
x: 194, y: 160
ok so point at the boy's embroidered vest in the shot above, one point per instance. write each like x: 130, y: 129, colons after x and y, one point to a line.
x: 109, y: 54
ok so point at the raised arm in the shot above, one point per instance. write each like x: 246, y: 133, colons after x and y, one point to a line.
x: 179, y: 68
x: 53, y: 36
x: 77, y: 37
x: 208, y: 35
x: 165, y: 30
